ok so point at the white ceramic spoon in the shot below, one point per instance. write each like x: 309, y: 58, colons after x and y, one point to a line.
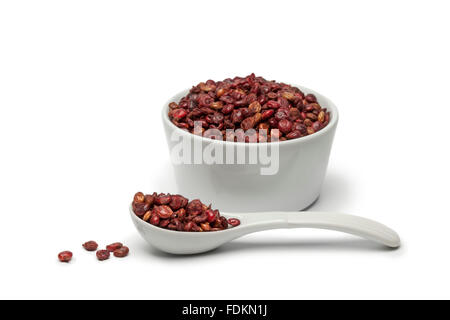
x: 177, y: 242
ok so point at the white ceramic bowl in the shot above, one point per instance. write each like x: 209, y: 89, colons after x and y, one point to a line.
x: 241, y: 187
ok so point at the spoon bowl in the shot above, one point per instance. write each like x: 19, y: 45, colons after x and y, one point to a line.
x: 179, y: 242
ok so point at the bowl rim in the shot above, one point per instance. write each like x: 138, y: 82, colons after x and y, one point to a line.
x: 331, y: 107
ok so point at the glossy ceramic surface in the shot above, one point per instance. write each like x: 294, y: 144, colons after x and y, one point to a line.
x: 242, y: 187
x: 178, y: 242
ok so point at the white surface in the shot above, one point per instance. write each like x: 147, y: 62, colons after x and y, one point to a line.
x: 176, y: 242
x: 81, y: 86
x: 297, y: 168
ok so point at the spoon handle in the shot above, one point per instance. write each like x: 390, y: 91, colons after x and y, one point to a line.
x: 351, y: 224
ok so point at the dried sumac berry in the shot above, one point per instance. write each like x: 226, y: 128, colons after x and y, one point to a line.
x: 179, y: 114
x: 288, y: 95
x: 163, y: 211
x: 316, y: 126
x: 300, y: 127
x: 164, y: 223
x: 154, y: 220
x: 147, y: 215
x: 211, y: 215
x: 177, y: 202
x: 311, y: 98
x: 224, y: 222
x: 255, y: 107
x: 273, y: 104
x: 121, y: 252
x: 65, y: 256
x: 280, y: 115
x: 234, y: 222
x: 248, y: 123
x: 228, y: 108
x: 90, y: 245
x: 294, y: 134
x: 217, y: 105
x: 200, y: 218
x: 149, y: 199
x: 267, y: 114
x: 114, y: 246
x: 205, y: 226
x: 139, y: 197
x: 285, y: 126
x: 163, y: 198
x: 194, y: 207
x: 188, y: 226
x: 102, y: 255
x: 140, y: 208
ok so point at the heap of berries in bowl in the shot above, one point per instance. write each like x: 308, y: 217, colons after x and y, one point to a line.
x: 249, y: 109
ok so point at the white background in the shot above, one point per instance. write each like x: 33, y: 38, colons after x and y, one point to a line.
x: 81, y: 88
